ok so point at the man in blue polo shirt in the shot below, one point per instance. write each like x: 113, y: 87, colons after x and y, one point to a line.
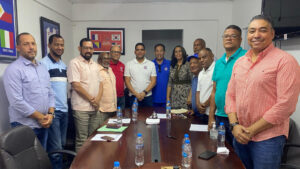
x: 58, y: 78
x: 222, y: 73
x: 159, y: 92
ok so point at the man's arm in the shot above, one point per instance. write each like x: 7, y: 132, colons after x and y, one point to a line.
x: 99, y: 96
x: 149, y: 87
x: 212, y: 107
x: 82, y: 92
x: 129, y: 86
x: 189, y: 98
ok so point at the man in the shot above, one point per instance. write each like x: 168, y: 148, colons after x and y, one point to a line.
x: 140, y: 77
x: 205, y: 84
x: 83, y: 74
x: 58, y: 77
x: 108, y: 101
x: 27, y: 86
x: 231, y: 41
x: 199, y: 44
x: 162, y: 66
x: 118, y: 68
x: 262, y: 94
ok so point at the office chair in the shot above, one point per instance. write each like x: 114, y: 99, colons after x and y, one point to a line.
x: 291, y: 151
x: 21, y: 149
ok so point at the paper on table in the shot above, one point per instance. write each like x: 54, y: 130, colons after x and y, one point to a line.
x: 97, y: 137
x: 198, y: 127
x: 222, y: 150
x: 121, y: 129
x: 124, y: 121
x: 152, y: 121
x: 161, y: 116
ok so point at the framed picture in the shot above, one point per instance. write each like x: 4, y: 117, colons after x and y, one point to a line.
x: 48, y: 28
x: 104, y: 38
x: 8, y: 30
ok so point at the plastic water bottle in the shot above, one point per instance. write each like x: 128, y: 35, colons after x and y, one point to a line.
x: 168, y: 104
x: 186, y: 137
x: 134, y: 110
x: 221, y: 135
x: 139, y: 150
x: 168, y: 112
x: 187, y: 149
x: 119, y: 117
x: 213, y: 133
x: 185, y: 161
x: 117, y: 165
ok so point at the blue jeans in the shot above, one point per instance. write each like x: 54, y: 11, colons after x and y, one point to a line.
x: 57, y: 137
x: 41, y: 133
x: 261, y: 154
x: 121, y: 102
x: 202, y: 117
x: 146, y: 102
x: 228, y: 134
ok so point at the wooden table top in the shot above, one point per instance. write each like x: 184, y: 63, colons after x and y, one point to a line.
x: 101, y: 155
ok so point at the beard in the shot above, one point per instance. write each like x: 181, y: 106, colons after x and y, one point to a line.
x: 56, y: 54
x: 87, y: 56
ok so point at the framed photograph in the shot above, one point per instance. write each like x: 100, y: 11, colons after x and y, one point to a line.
x: 104, y: 38
x: 8, y: 30
x: 48, y: 28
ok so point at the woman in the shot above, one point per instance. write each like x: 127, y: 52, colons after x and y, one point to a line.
x: 180, y: 79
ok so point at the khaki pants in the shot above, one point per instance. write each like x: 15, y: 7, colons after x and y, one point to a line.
x: 106, y: 115
x: 86, y: 122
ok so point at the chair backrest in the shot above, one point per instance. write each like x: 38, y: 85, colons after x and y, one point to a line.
x: 20, y: 149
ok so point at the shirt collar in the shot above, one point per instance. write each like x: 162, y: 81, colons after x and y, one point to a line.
x: 211, y: 67
x: 236, y: 53
x: 154, y: 60
x: 262, y: 54
x: 112, y: 63
x: 83, y: 60
x: 27, y: 62
x: 51, y: 58
x: 136, y: 61
x: 103, y: 68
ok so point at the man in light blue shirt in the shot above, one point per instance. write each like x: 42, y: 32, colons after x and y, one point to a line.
x: 58, y: 78
x: 27, y: 86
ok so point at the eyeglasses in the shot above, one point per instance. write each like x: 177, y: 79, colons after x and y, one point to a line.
x: 116, y: 52
x: 86, y: 48
x: 233, y: 36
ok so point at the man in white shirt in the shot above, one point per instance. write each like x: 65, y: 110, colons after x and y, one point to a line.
x: 140, y: 77
x: 205, y: 83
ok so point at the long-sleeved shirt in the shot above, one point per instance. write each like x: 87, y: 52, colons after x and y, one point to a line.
x: 28, y: 89
x: 268, y: 88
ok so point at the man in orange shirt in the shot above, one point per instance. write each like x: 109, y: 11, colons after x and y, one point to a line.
x: 261, y: 96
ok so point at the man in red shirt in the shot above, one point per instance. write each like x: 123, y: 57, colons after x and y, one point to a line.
x: 118, y: 68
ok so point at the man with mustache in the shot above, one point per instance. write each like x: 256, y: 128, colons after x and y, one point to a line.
x: 261, y: 96
x: 27, y: 86
x: 83, y: 74
x: 58, y: 78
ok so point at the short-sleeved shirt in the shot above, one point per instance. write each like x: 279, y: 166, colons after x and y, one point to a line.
x: 222, y: 75
x: 140, y: 74
x: 118, y: 70
x: 87, y: 74
x: 58, y: 79
x: 205, y: 84
x: 159, y: 92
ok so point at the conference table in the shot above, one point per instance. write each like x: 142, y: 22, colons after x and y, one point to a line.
x: 162, y: 145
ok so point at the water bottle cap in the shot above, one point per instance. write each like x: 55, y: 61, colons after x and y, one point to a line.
x: 221, y: 124
x: 139, y: 134
x: 119, y: 108
x: 134, y: 109
x: 186, y: 135
x: 184, y: 154
x: 168, y: 101
x: 187, y: 141
x: 116, y: 164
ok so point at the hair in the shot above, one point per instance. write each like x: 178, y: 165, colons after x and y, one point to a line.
x: 235, y: 27
x: 19, y: 37
x: 84, y: 40
x: 101, y: 55
x: 162, y: 45
x: 114, y: 46
x: 138, y: 44
x: 174, y: 60
x: 202, y: 41
x: 54, y: 36
x: 263, y: 17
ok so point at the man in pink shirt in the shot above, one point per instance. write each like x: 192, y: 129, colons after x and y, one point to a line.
x: 261, y: 96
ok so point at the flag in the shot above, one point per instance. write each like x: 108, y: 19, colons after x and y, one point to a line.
x: 95, y: 37
x: 4, y: 16
x: 6, y: 39
x: 96, y: 44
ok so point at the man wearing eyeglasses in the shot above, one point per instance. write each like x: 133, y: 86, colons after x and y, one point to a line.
x: 83, y: 74
x: 222, y: 73
x: 118, y: 68
x: 162, y: 66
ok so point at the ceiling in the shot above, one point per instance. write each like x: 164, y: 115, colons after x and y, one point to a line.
x: 137, y: 1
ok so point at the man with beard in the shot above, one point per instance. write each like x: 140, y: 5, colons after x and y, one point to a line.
x: 162, y: 65
x: 83, y: 74
x: 58, y: 77
x: 140, y: 77
x: 28, y: 89
x: 108, y: 101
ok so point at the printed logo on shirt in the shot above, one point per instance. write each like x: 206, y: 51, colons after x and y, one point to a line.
x: 166, y: 69
x: 145, y: 67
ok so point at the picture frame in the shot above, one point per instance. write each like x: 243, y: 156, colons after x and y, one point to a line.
x: 8, y: 31
x: 104, y: 38
x: 48, y: 28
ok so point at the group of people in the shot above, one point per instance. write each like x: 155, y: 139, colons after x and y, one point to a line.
x: 252, y: 92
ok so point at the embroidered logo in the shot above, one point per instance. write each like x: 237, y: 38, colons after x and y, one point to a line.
x: 166, y: 69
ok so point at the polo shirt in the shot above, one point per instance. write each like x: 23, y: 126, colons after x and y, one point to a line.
x: 159, y: 92
x: 221, y: 76
x: 87, y: 74
x: 140, y: 74
x: 118, y: 70
x: 58, y: 80
x: 205, y: 84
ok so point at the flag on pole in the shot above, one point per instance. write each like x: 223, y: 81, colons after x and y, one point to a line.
x: 6, y: 39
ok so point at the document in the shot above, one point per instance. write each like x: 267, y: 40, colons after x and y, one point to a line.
x: 152, y: 121
x: 161, y: 116
x: 124, y: 121
x: 120, y: 130
x: 100, y: 137
x: 199, y: 127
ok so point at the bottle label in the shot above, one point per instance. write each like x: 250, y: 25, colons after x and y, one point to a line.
x: 221, y: 132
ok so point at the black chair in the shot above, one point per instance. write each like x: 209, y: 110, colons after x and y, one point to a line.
x: 21, y: 149
x: 291, y: 150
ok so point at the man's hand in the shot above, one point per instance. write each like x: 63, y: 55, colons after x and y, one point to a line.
x: 94, y: 102
x: 140, y: 96
x: 241, y: 134
x: 191, y: 112
x: 210, y: 122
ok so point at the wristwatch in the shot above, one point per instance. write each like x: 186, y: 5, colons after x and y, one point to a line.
x: 145, y: 92
x: 233, y: 124
x: 52, y: 113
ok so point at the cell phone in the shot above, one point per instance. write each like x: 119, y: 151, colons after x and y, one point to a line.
x: 207, y: 155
